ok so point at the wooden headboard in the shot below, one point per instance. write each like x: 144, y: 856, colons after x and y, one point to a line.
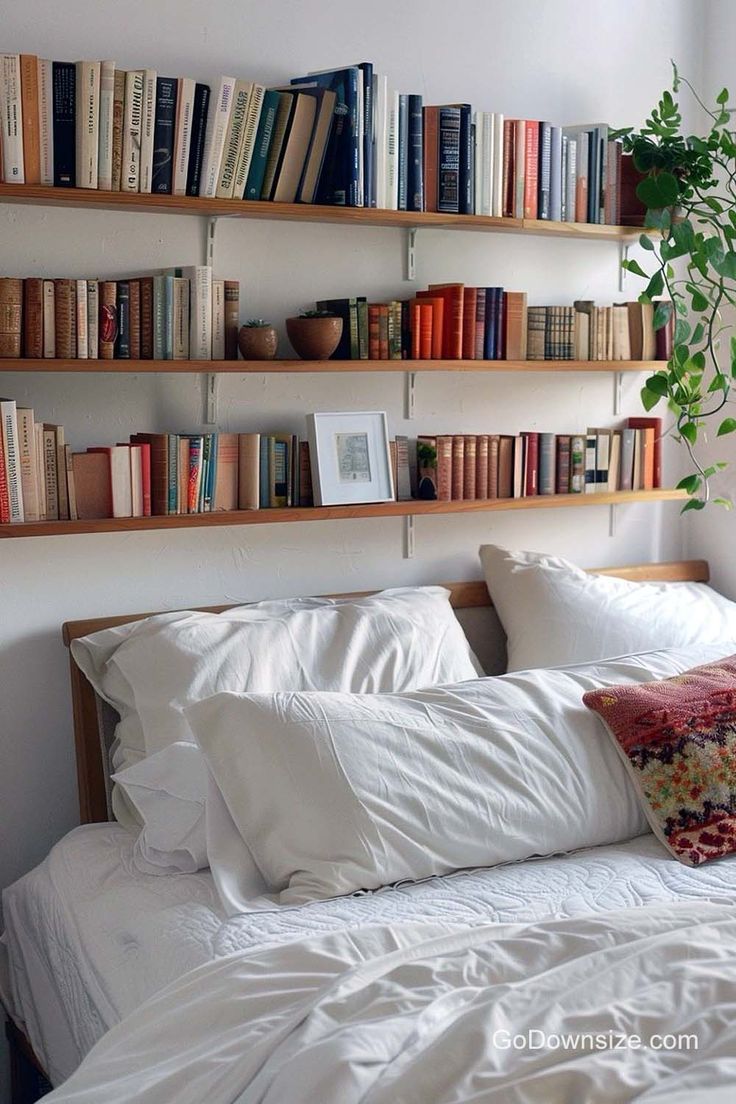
x: 463, y: 596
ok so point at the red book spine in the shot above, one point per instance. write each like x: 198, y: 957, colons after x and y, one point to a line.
x: 458, y: 466
x: 444, y: 468
x: 146, y: 477
x: 531, y: 162
x: 425, y: 331
x: 374, y: 344
x: 4, y: 494
x: 470, y: 458
x: 470, y: 298
x: 481, y: 466
x: 508, y: 168
x: 532, y: 463
x: 480, y: 322
x: 452, y: 338
x: 656, y: 425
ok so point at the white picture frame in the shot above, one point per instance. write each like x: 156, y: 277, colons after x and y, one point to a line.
x: 350, y: 458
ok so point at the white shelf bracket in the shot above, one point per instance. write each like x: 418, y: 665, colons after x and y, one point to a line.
x: 612, y: 519
x: 618, y: 386
x: 411, y: 254
x: 410, y: 395
x: 209, y: 247
x: 210, y: 398
x: 623, y: 255
x: 409, y: 537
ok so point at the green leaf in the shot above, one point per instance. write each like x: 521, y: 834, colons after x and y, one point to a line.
x: 718, y: 383
x: 725, y: 266
x: 699, y: 302
x: 689, y: 431
x: 646, y: 242
x: 698, y: 332
x: 657, y: 384
x: 722, y: 97
x: 655, y: 286
x: 691, y: 484
x: 649, y: 399
x: 635, y: 267
x: 662, y: 315
x: 660, y: 190
x: 693, y: 504
x: 682, y: 332
x: 728, y: 425
x: 725, y: 502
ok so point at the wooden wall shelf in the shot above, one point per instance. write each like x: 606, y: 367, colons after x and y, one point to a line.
x: 260, y: 367
x: 303, y: 212
x: 335, y: 513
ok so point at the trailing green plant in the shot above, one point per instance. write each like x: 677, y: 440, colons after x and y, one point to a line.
x: 689, y: 189
x: 317, y: 314
x: 256, y: 324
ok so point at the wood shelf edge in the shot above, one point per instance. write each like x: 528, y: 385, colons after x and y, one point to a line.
x: 413, y: 508
x: 265, y: 367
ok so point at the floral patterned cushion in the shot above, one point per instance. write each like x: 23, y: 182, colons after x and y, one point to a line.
x: 677, y: 738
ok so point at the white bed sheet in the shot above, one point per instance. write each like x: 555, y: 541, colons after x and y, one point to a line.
x: 89, y: 938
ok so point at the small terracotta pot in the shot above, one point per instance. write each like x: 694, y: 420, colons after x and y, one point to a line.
x: 257, y: 342
x: 314, y: 338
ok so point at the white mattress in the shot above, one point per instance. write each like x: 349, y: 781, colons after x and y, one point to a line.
x: 89, y: 938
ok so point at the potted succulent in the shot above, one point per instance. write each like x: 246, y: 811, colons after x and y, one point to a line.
x: 427, y: 471
x: 315, y: 334
x: 688, y: 185
x: 257, y: 340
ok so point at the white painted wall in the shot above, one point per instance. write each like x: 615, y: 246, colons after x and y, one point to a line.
x: 567, y: 60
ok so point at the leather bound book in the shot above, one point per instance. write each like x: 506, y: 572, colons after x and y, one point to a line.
x: 547, y: 464
x: 437, y: 303
x: 470, y: 299
x: 531, y: 176
x: 458, y: 466
x: 480, y: 322
x: 65, y: 310
x: 531, y: 456
x: 159, y: 469
x: 493, y: 465
x: 426, y: 330
x: 383, y: 349
x: 470, y: 459
x: 481, y: 466
x: 134, y: 309
x: 374, y: 344
x: 636, y: 332
x: 249, y: 451
x: 232, y: 318
x: 11, y: 313
x: 505, y: 484
x: 655, y: 425
x: 146, y: 317
x: 33, y: 318
x: 515, y: 324
x: 108, y: 328
x: 444, y: 468
x: 64, y: 94
x: 536, y: 325
x: 92, y: 485
x: 452, y: 325
x: 508, y: 167
x: 431, y: 157
x: 122, y: 345
x: 448, y: 141
x: 562, y: 479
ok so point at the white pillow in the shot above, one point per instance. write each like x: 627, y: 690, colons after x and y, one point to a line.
x: 555, y: 613
x: 333, y: 793
x: 152, y: 670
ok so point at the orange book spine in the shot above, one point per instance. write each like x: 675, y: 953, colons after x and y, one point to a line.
x: 452, y: 335
x: 531, y: 161
x: 481, y: 466
x: 469, y: 468
x: 444, y: 468
x: 31, y: 118
x: 648, y: 460
x: 425, y: 331
x: 431, y: 158
x: 458, y: 466
x: 493, y: 464
x: 470, y: 299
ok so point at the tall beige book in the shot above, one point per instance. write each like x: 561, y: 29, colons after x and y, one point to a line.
x: 214, y: 140
x: 49, y: 319
x: 87, y: 120
x: 132, y: 131
x: 62, y: 489
x: 105, y: 127
x: 149, y: 122
x: 28, y: 464
x: 255, y: 104
x: 614, y: 461
x: 200, y: 311
x: 289, y: 171
x: 70, y: 484
x: 11, y: 120
x: 182, y: 134
x: 81, y: 316
x: 40, y: 476
x: 46, y: 119
x: 218, y: 319
x: 234, y: 139
x: 118, y: 123
x: 249, y: 467
x: 226, y: 473
x: 49, y: 470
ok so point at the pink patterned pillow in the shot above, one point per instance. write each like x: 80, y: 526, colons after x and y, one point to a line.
x: 677, y: 738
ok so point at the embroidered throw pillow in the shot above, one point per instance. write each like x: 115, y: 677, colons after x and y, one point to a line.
x: 677, y: 738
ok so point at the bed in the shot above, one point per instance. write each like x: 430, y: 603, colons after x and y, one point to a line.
x: 89, y: 938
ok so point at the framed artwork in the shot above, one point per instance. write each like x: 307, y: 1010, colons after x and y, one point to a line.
x: 350, y: 458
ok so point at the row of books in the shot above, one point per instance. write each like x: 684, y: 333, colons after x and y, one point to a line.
x: 453, y: 322
x: 42, y: 479
x: 340, y: 137
x: 182, y: 314
x: 487, y: 466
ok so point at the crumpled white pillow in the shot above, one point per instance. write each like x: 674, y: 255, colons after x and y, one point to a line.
x: 555, y: 613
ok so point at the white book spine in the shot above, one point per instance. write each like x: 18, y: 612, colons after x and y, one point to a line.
x: 234, y: 139
x: 107, y: 100
x: 478, y: 161
x: 11, y: 453
x: 183, y: 134
x: 217, y: 122
x: 93, y: 319
x: 497, y: 162
x: 11, y: 119
x: 70, y: 485
x: 46, y: 120
x: 361, y: 136
x: 381, y: 139
x: 249, y: 139
x: 136, y: 481
x: 149, y: 124
x: 27, y: 459
x: 486, y: 184
x: 82, y: 337
x: 181, y: 319
x: 571, y: 179
x: 132, y: 130
x: 392, y: 157
x: 49, y: 319
x: 87, y: 122
x: 40, y: 477
x: 200, y: 311
x: 122, y: 505
x: 218, y: 319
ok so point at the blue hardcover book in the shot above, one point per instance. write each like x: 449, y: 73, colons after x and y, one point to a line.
x: 199, y: 126
x: 264, y: 134
x: 403, y: 150
x: 163, y: 135
x: 264, y: 492
x: 369, y: 135
x: 339, y: 180
x: 500, y: 352
x: 466, y: 196
x: 173, y: 469
x: 448, y: 185
x: 415, y: 183
x: 489, y: 342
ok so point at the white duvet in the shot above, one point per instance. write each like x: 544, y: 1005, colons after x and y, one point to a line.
x: 636, y: 1004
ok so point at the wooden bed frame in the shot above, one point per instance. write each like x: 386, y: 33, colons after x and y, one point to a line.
x: 28, y: 1077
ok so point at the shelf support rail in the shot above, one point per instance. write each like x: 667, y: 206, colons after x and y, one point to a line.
x: 411, y: 254
x: 409, y: 537
x: 618, y: 384
x: 623, y: 255
x: 410, y: 395
x: 211, y: 380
